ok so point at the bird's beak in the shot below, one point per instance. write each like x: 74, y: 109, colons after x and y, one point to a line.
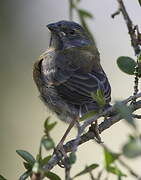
x: 53, y: 27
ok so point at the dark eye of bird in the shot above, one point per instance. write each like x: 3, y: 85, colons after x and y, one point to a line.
x: 72, y: 32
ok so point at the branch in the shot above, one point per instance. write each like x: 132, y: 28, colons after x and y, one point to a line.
x: 132, y: 30
x: 69, y: 146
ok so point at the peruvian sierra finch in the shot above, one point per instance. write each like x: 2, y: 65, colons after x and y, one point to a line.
x: 69, y: 72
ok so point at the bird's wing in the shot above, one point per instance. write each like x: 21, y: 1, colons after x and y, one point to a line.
x: 75, y: 75
x: 56, y: 68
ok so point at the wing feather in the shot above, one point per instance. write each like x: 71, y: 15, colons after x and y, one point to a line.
x: 72, y: 82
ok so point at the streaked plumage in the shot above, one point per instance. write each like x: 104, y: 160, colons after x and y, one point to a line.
x: 69, y: 71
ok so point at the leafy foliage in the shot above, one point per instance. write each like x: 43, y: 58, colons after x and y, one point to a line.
x: 132, y: 148
x: 126, y: 64
x: 109, y: 160
x: 49, y: 126
x: 25, y: 175
x: 72, y: 158
x: 87, y: 170
x: 125, y: 113
x: 88, y: 115
x: 139, y: 2
x: 2, y: 178
x: 48, y: 143
x: 98, y: 96
x: 26, y: 156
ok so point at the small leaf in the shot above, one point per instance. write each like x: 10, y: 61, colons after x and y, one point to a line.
x: 109, y: 157
x: 85, y: 13
x: 72, y: 158
x: 2, y: 178
x: 28, y: 166
x: 46, y: 122
x: 115, y: 170
x: 132, y: 149
x: 26, y: 156
x: 51, y: 126
x: 139, y: 2
x: 48, y: 143
x: 25, y: 175
x: 52, y: 176
x: 48, y: 127
x: 126, y: 64
x: 99, y: 97
x: 87, y: 170
x: 88, y: 115
x: 125, y: 113
x: 139, y: 58
x: 45, y: 160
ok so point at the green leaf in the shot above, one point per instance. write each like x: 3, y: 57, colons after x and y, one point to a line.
x: 26, y: 156
x: 25, y: 175
x: 87, y: 170
x: 125, y: 113
x: 109, y: 157
x: 116, y: 171
x: 48, y: 127
x: 45, y: 160
x: 28, y: 166
x: 139, y: 2
x: 48, y: 143
x: 51, y: 126
x: 88, y: 115
x: 85, y: 13
x: 139, y: 58
x: 72, y: 158
x: 98, y: 96
x: 2, y: 178
x: 132, y: 148
x: 52, y: 176
x: 126, y: 64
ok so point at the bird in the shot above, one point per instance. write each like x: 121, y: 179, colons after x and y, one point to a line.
x: 69, y: 71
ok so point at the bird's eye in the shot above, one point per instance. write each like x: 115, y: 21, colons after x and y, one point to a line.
x: 72, y: 31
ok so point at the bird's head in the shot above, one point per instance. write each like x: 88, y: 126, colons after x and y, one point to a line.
x: 67, y: 34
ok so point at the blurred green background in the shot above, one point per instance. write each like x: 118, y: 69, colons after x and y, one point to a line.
x: 23, y: 37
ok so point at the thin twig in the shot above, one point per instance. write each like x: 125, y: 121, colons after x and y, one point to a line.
x: 132, y: 30
x: 70, y: 10
x: 128, y: 168
x: 91, y: 176
x: 136, y: 116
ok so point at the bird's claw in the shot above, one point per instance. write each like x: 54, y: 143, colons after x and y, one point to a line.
x: 61, y: 155
x: 95, y: 130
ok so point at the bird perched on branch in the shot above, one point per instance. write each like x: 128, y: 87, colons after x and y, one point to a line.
x: 69, y: 71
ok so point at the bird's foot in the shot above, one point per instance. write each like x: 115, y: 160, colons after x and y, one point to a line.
x: 95, y: 130
x: 61, y: 155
